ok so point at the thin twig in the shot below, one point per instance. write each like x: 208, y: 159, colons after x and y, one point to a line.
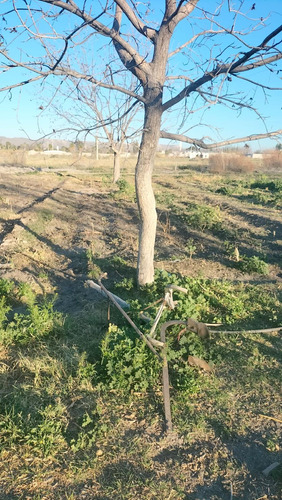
x: 266, y: 330
x: 270, y: 418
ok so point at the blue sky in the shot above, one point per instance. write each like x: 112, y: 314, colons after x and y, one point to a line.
x: 21, y: 116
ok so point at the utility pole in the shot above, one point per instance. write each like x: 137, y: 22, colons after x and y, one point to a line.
x: 96, y: 148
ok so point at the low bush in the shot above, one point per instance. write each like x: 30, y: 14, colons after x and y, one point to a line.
x: 275, y: 186
x: 37, y: 322
x: 273, y: 160
x: 202, y: 216
x: 61, y: 398
x: 253, y: 265
x: 227, y: 162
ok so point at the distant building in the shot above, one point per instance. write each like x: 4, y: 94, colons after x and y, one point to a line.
x: 257, y: 156
x: 55, y: 152
x: 196, y: 154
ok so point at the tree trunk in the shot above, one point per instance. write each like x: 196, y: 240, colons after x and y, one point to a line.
x: 116, y: 173
x: 145, y: 195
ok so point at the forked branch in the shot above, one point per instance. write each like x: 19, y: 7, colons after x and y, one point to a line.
x: 229, y: 69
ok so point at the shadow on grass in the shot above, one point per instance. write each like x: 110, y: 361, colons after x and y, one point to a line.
x: 222, y: 468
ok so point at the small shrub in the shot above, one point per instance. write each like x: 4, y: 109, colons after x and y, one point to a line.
x: 165, y: 198
x: 94, y: 271
x: 39, y: 322
x: 6, y: 287
x: 125, y: 191
x: 127, y: 361
x: 202, y: 217
x: 217, y: 163
x: 231, y: 250
x: 47, y: 437
x: 190, y: 248
x: 253, y: 265
x: 123, y: 185
x: 275, y: 186
x: 226, y: 190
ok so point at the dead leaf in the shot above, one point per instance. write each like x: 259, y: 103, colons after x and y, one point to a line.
x: 195, y: 361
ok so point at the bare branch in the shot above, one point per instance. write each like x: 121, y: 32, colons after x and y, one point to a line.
x: 127, y: 60
x: 99, y: 83
x: 179, y: 13
x: 258, y: 84
x: 65, y: 71
x: 201, y: 144
x: 255, y: 50
x: 135, y: 21
x: 202, y: 33
x: 235, y: 67
x: 101, y: 29
x: 20, y: 84
x: 256, y: 64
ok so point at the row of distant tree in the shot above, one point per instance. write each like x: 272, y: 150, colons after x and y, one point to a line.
x: 105, y: 147
x: 77, y: 146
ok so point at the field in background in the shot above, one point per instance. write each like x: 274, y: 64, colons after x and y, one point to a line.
x: 103, y: 166
x: 81, y: 404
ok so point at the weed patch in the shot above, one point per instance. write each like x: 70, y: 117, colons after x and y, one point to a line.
x: 39, y: 320
x: 126, y: 191
x: 253, y: 265
x: 74, y: 399
x: 262, y: 191
x: 202, y: 217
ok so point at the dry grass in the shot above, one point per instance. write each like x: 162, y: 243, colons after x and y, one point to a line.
x: 103, y: 166
x: 273, y: 160
x: 224, y: 162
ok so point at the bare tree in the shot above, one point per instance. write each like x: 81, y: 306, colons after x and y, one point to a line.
x: 88, y: 110
x: 222, y: 43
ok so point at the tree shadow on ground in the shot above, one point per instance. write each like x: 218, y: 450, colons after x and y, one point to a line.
x: 219, y: 467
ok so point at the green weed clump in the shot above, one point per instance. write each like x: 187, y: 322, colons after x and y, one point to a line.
x: 202, y: 217
x: 125, y: 191
x: 130, y: 366
x: 253, y: 265
x: 214, y: 301
x: 37, y: 321
x: 262, y: 191
x: 274, y: 186
x: 123, y: 185
x: 127, y: 362
x: 94, y: 271
x: 231, y: 186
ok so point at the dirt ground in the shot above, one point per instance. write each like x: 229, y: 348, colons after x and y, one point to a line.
x: 50, y: 219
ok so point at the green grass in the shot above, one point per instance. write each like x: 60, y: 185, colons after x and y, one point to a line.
x: 263, y: 190
x: 56, y: 369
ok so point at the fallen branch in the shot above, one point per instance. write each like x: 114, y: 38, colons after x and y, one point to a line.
x: 270, y: 418
x: 141, y: 335
x: 96, y: 287
x: 270, y: 468
x: 266, y: 330
x: 195, y: 361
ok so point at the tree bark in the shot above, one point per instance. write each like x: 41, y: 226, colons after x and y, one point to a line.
x: 116, y: 173
x: 145, y: 195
